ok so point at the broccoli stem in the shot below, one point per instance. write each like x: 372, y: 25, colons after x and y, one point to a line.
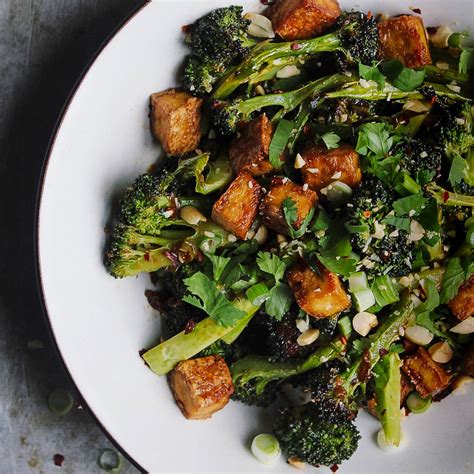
x: 385, y: 336
x: 273, y: 54
x: 387, y: 396
x: 448, y: 198
x: 164, y: 357
x: 258, y: 371
x: 300, y: 121
x: 389, y: 92
x: 290, y: 100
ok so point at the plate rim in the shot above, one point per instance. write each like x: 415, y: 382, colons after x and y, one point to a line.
x: 37, y: 220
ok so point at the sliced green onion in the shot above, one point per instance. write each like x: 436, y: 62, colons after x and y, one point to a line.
x: 258, y: 294
x: 384, y: 291
x: 364, y: 299
x: 470, y: 235
x: 337, y: 193
x: 357, y: 229
x: 358, y: 281
x: 60, y: 402
x: 417, y: 404
x: 266, y: 448
x: 455, y: 40
x: 110, y: 461
x: 408, y: 185
x: 345, y: 326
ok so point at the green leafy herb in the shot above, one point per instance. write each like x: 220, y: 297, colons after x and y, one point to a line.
x: 321, y: 222
x: 372, y: 73
x: 272, y: 264
x: 342, y: 266
x: 466, y: 60
x: 258, y: 294
x: 402, y: 223
x: 458, y: 170
x: 401, y: 77
x: 208, y: 298
x: 412, y: 203
x: 375, y: 138
x: 290, y: 211
x: 452, y: 280
x: 431, y: 302
x: 331, y: 140
x: 279, y: 302
x: 218, y: 265
x: 279, y: 141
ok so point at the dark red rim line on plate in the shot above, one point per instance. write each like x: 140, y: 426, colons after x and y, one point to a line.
x: 39, y: 195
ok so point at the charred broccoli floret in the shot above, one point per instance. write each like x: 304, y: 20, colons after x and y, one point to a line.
x: 322, y: 431
x: 355, y: 38
x: 418, y: 155
x: 389, y: 253
x: 248, y: 394
x: 216, y: 40
x: 226, y: 115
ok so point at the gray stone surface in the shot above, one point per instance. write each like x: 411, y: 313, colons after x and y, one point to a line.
x: 44, y: 46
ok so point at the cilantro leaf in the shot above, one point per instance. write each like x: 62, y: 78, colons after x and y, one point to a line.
x: 279, y: 302
x: 401, y: 77
x: 321, y: 222
x: 374, y: 137
x: 272, y: 264
x: 372, y: 73
x: 431, y: 302
x: 290, y: 211
x: 279, y: 141
x: 219, y: 264
x: 331, y: 140
x: 341, y: 266
x: 402, y: 223
x: 212, y: 301
x: 414, y: 203
x: 458, y: 170
x: 336, y: 240
x: 453, y: 278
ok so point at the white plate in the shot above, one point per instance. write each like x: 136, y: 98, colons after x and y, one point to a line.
x: 100, y: 324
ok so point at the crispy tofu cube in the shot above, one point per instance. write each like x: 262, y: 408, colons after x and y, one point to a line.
x: 175, y: 119
x: 237, y: 208
x: 427, y: 376
x: 468, y: 361
x: 201, y: 386
x: 271, y: 206
x: 320, y: 295
x: 462, y: 305
x: 404, y: 38
x: 405, y: 387
x: 300, y: 19
x: 249, y: 151
x: 323, y: 166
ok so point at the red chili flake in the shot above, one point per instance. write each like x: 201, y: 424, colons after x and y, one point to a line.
x: 276, y: 181
x: 344, y: 340
x: 190, y: 325
x: 383, y: 352
x: 173, y: 258
x: 186, y: 29
x: 307, y: 129
x: 433, y: 99
x: 334, y: 468
x: 366, y: 214
x: 58, y: 460
x: 369, y: 14
x: 445, y: 196
x: 147, y: 257
x: 296, y: 46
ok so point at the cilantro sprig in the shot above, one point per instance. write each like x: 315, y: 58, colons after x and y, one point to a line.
x: 290, y: 211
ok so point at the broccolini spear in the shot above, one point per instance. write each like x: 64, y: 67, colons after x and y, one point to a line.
x: 322, y: 432
x: 226, y: 115
x: 356, y: 38
x: 448, y: 198
x: 217, y: 40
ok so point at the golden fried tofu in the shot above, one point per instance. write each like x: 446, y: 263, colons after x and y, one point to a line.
x: 405, y: 387
x: 462, y: 305
x: 201, y: 386
x: 249, y: 151
x: 175, y: 119
x: 271, y: 206
x: 300, y: 19
x: 320, y: 295
x: 237, y: 208
x: 427, y: 376
x: 468, y: 361
x: 323, y: 166
x: 404, y: 38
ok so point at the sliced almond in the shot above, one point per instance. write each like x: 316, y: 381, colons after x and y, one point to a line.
x: 441, y: 352
x: 302, y: 324
x: 260, y: 26
x: 418, y: 335
x: 296, y: 463
x: 416, y: 105
x: 464, y: 327
x: 191, y: 215
x: 308, y: 337
x: 261, y: 235
x: 299, y: 162
x: 417, y: 231
x: 288, y: 71
x: 363, y: 322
